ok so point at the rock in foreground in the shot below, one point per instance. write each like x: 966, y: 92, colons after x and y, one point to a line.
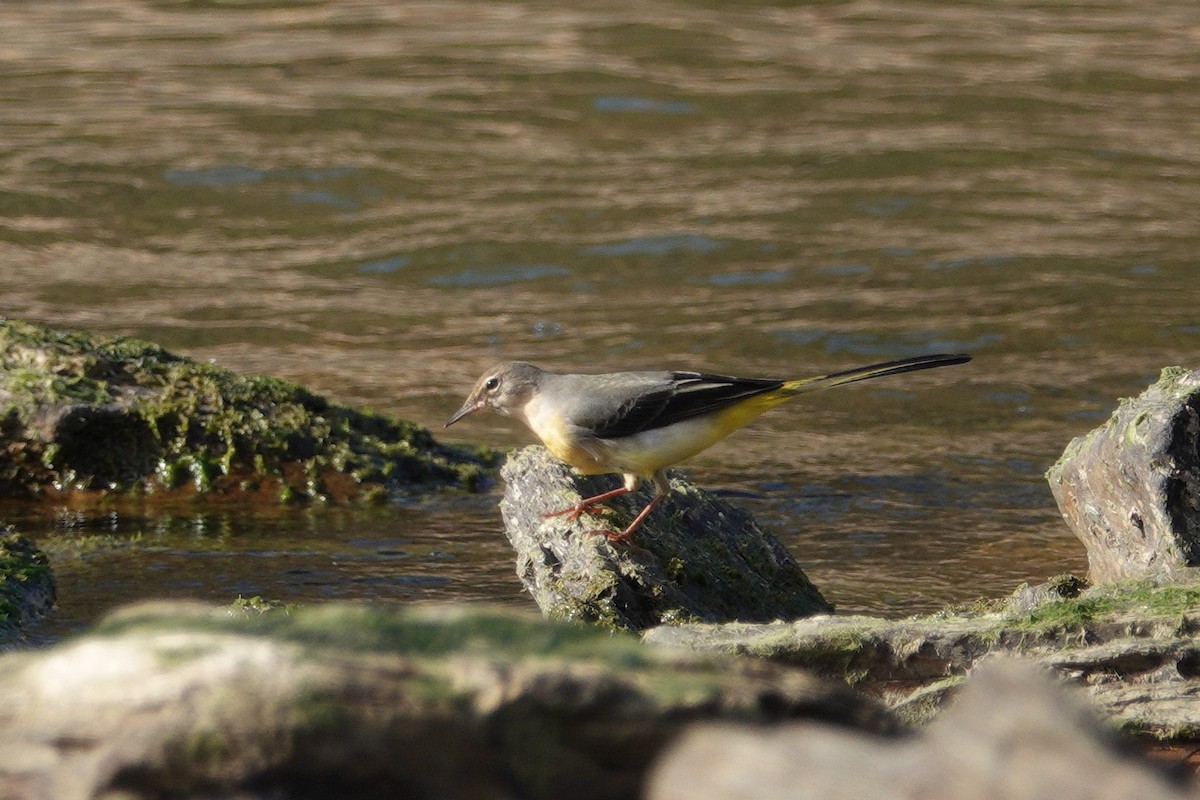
x: 1012, y: 735
x: 695, y: 559
x: 82, y: 412
x: 172, y: 700
x: 1130, y: 490
x: 1132, y: 645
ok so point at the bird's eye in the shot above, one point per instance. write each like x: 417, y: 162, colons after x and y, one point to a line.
x: 491, y: 384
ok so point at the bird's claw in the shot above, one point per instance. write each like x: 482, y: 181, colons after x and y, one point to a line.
x: 616, y: 537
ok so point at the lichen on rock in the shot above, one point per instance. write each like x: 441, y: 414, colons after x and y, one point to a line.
x: 697, y: 558
x: 1130, y: 489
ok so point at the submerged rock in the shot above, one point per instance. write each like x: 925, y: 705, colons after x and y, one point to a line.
x: 350, y: 701
x: 695, y: 559
x: 27, y: 589
x: 1011, y: 735
x: 1130, y: 489
x: 80, y: 412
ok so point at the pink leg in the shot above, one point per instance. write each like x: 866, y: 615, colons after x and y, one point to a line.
x: 624, y: 536
x: 574, y: 512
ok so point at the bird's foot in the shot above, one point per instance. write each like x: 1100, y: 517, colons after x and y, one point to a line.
x: 587, y: 504
x: 623, y: 538
x: 616, y: 537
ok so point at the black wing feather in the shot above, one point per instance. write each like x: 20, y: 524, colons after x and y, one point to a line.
x: 689, y: 394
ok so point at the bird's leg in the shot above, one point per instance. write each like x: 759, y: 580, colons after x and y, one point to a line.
x: 574, y: 512
x: 662, y: 487
x: 624, y: 536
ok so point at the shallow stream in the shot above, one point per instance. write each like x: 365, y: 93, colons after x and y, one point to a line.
x: 381, y: 199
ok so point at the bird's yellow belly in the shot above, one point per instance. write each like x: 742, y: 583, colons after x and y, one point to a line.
x: 590, y: 460
x: 580, y: 453
x: 649, y: 451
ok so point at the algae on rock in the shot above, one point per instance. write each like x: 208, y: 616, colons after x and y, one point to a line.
x: 697, y: 559
x: 27, y: 589
x: 85, y: 412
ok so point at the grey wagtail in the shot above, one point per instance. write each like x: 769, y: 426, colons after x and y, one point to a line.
x: 640, y: 423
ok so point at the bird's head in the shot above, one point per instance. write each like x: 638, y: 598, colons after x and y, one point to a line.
x: 505, y: 388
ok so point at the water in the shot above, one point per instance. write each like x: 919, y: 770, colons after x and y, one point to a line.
x: 382, y: 199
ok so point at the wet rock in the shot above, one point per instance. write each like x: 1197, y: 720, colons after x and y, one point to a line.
x: 1130, y: 490
x: 351, y: 701
x: 84, y: 413
x: 27, y: 589
x: 695, y: 559
x: 1061, y: 587
x: 1012, y: 734
x: 1131, y: 645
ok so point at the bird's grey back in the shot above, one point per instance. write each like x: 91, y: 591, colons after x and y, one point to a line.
x: 593, y: 401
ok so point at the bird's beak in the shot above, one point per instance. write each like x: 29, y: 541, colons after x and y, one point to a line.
x: 469, y: 407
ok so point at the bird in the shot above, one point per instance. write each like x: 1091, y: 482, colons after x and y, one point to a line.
x: 639, y: 423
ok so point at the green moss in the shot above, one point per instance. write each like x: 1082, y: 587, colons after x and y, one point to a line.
x: 250, y: 606
x: 178, y: 656
x: 838, y: 651
x: 24, y: 574
x: 980, y: 606
x: 76, y: 545
x: 413, y: 632
x: 854, y: 651
x: 1143, y: 597
x: 925, y: 703
x: 157, y: 420
x: 321, y: 715
x: 206, y: 747
x: 1141, y: 726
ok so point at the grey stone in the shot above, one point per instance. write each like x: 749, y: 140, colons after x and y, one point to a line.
x: 1026, y: 598
x: 1012, y: 734
x: 176, y: 700
x: 696, y: 558
x: 1130, y: 489
x: 1131, y: 645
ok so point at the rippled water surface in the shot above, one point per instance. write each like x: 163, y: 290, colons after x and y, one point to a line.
x: 381, y: 199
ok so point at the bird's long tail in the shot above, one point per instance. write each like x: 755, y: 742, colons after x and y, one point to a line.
x: 872, y: 371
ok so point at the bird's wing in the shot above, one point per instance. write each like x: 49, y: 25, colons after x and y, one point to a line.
x: 671, y: 397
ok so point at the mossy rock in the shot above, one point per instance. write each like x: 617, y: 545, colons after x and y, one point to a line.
x: 27, y: 588
x: 698, y: 558
x: 80, y: 412
x: 340, y: 700
x: 1133, y: 644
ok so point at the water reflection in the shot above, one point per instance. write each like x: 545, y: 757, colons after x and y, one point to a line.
x: 104, y: 558
x: 383, y: 199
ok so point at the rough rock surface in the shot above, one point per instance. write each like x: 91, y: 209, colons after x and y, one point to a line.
x: 1130, y: 489
x: 81, y: 412
x: 172, y: 700
x: 1133, y: 646
x: 1011, y: 735
x: 27, y: 589
x: 695, y: 559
